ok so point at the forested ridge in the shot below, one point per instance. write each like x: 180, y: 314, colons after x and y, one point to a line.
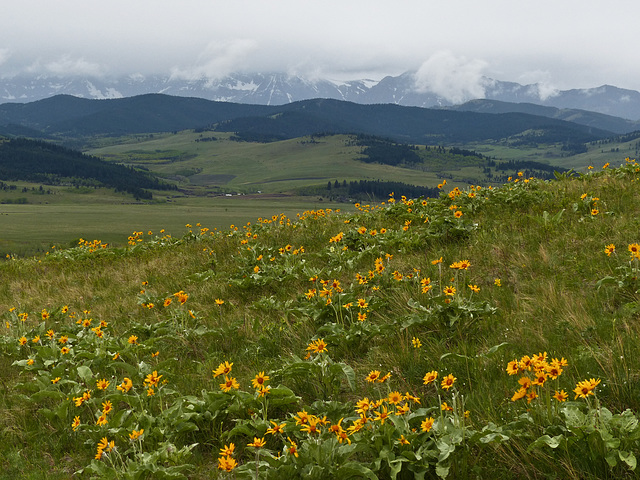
x: 43, y: 162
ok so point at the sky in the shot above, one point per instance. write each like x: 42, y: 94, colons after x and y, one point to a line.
x: 560, y: 44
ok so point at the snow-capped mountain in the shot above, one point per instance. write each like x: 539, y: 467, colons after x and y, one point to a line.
x: 281, y: 88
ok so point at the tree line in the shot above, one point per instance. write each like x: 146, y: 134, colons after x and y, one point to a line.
x: 43, y: 162
x: 380, y: 189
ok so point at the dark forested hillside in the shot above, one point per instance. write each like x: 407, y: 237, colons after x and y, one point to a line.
x: 68, y: 117
x: 38, y: 161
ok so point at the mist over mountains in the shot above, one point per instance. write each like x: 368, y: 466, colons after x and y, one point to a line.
x: 407, y: 89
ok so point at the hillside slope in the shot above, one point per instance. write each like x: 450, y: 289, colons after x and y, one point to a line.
x: 487, y: 333
x: 582, y: 117
x: 44, y: 162
x: 72, y: 117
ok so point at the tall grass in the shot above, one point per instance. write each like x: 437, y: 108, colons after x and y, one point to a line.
x: 537, y: 279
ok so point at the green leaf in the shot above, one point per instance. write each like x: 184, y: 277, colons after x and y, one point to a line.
x: 574, y: 417
x: 119, y: 418
x: 551, y: 442
x: 241, y: 428
x: 414, y: 304
x: 350, y: 375
x: 52, y: 394
x: 396, y: 466
x: 629, y: 458
x: 281, y: 396
x: 608, y: 280
x: 626, y: 421
x: 459, y: 355
x: 498, y: 437
x: 354, y: 469
x: 442, y: 470
x: 85, y: 374
x: 611, y: 459
x: 495, y: 348
x: 445, y: 448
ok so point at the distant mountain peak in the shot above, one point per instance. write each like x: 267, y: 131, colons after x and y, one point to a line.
x: 279, y: 88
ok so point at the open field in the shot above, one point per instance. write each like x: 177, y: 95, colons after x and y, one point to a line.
x: 27, y: 229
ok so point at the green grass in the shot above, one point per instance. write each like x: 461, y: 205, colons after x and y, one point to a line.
x: 596, y: 155
x: 64, y: 217
x: 284, y: 166
x: 541, y: 239
x: 271, y: 168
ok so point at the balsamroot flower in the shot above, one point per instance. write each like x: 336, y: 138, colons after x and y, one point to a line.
x: 317, y: 346
x: 260, y: 380
x: 126, y: 385
x: 227, y: 450
x: 223, y: 369
x: 229, y: 383
x: 447, y: 382
x: 373, y: 376
x: 585, y: 388
x: 102, y: 384
x: 427, y: 424
x: 561, y: 396
x: 257, y: 442
x: 152, y: 379
x: 227, y: 463
x: 430, y: 377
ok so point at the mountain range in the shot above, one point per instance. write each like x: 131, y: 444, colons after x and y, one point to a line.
x: 281, y: 88
x: 66, y: 116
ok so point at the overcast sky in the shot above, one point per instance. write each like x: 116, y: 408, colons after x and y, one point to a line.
x: 561, y: 43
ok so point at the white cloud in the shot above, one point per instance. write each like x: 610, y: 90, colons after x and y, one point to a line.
x: 346, y: 40
x: 546, y: 91
x: 4, y: 55
x: 217, y: 60
x: 457, y: 79
x: 66, y: 66
x: 541, y: 84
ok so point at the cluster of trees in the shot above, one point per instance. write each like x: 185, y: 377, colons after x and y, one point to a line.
x: 627, y: 137
x: 529, y: 168
x: 380, y: 189
x: 42, y: 162
x: 467, y: 153
x: 6, y: 186
x: 206, y: 139
x: 256, y: 137
x: 574, y: 148
x: 385, y: 151
x: 388, y: 152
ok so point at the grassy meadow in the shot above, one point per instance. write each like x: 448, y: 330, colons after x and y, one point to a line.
x: 64, y: 215
x: 492, y: 332
x: 201, y: 166
x: 287, y: 166
x: 251, y: 167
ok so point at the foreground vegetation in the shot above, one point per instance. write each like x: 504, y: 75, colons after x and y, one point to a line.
x: 489, y: 332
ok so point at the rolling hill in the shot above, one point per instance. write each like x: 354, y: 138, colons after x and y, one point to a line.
x: 582, y: 117
x: 66, y: 116
x: 43, y: 162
